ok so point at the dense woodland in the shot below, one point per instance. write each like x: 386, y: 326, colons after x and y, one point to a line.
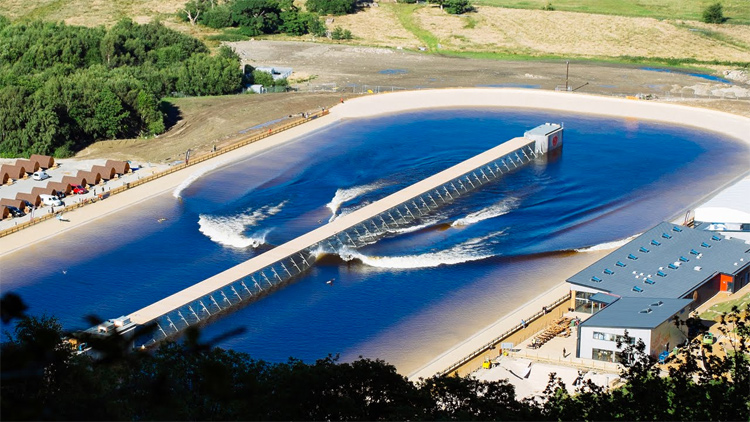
x: 42, y: 379
x: 63, y: 87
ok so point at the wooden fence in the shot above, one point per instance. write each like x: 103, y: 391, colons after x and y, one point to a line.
x: 193, y: 161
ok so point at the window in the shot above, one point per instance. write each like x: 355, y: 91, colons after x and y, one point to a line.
x: 645, y: 311
x: 613, y: 337
x: 666, y: 235
x: 672, y: 266
x: 716, y: 238
x: 642, y: 249
x: 596, y: 279
x: 678, y: 229
x: 657, y: 303
x: 620, y: 264
x: 602, y: 355
x: 649, y: 281
x: 637, y: 289
x: 694, y: 252
x: 661, y: 273
x: 633, y: 257
x: 655, y: 243
x: 608, y: 271
x: 683, y: 259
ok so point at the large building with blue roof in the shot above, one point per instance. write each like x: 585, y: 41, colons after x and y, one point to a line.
x: 640, y: 287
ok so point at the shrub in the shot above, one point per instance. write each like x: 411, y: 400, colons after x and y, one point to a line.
x: 457, y: 7
x: 331, y: 7
x: 548, y: 6
x: 339, y: 33
x: 714, y: 14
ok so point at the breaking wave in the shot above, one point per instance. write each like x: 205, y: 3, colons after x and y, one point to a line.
x: 345, y: 195
x: 607, y: 245
x: 471, y: 250
x: 177, y: 192
x: 496, y: 210
x: 230, y: 230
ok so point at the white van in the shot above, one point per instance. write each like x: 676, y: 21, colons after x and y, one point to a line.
x: 51, y: 200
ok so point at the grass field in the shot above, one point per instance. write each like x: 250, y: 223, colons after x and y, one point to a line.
x: 629, y: 31
x: 724, y: 307
x: 738, y: 11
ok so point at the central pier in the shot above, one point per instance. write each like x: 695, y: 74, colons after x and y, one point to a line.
x: 254, y: 277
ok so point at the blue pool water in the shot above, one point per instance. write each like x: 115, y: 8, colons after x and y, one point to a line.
x: 408, y: 297
x: 705, y: 76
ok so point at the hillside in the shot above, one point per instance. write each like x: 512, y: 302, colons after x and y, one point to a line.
x: 636, y: 31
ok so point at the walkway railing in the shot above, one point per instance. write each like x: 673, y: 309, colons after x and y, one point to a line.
x: 497, y: 340
x: 193, y: 161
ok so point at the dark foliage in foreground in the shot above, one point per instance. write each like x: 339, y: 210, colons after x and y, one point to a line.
x: 63, y: 87
x: 43, y: 379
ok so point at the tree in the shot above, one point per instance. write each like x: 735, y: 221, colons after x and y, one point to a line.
x: 258, y: 16
x: 261, y: 78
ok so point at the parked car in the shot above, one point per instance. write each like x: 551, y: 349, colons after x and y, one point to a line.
x: 15, y: 212
x: 51, y: 200
x: 40, y: 175
x: 78, y: 189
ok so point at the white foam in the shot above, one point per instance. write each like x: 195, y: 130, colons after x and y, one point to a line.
x: 345, y: 195
x: 229, y: 230
x: 470, y: 250
x: 195, y: 176
x: 496, y: 210
x: 607, y: 245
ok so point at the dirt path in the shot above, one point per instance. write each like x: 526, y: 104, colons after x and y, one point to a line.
x: 204, y: 122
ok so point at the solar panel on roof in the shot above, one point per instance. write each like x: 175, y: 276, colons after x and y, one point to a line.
x: 705, y: 245
x: 661, y: 273
x: 694, y: 252
x: 715, y: 237
x: 683, y: 259
x: 608, y: 271
x: 633, y: 257
x: 649, y: 281
x: 672, y: 266
x: 620, y: 264
x: 637, y: 289
x: 642, y: 249
x: 666, y: 235
x: 678, y: 229
x: 655, y: 243
x: 596, y: 279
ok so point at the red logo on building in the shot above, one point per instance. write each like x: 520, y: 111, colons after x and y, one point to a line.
x: 554, y: 141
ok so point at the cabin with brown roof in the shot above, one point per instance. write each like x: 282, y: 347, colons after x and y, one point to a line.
x: 31, y: 198
x: 28, y: 165
x: 44, y: 161
x: 15, y: 172
x: 75, y: 180
x: 107, y: 172
x: 44, y: 190
x: 18, y: 203
x: 94, y: 178
x: 4, y: 212
x: 61, y: 187
x: 121, y: 167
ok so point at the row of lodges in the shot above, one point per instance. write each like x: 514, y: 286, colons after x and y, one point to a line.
x: 86, y: 178
x: 22, y: 168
